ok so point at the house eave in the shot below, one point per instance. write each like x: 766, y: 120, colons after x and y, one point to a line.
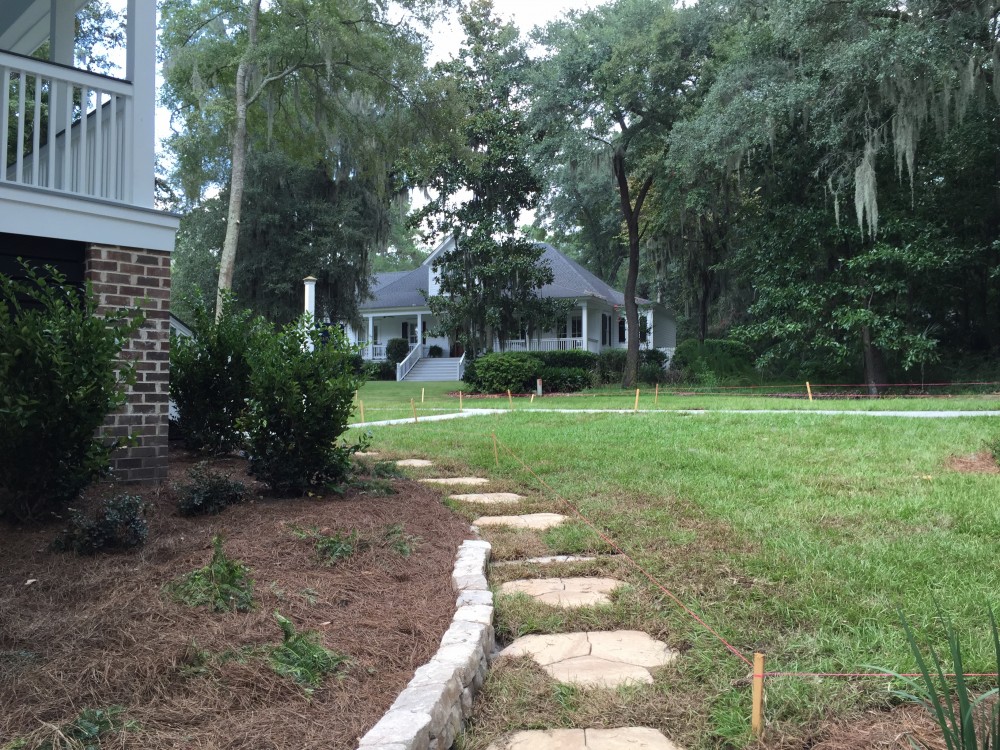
x: 42, y: 213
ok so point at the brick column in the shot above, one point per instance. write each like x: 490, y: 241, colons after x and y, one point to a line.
x: 127, y: 277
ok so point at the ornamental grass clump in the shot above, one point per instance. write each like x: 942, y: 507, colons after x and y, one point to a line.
x: 967, y: 721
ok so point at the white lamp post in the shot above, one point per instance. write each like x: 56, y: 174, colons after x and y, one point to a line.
x: 309, y: 282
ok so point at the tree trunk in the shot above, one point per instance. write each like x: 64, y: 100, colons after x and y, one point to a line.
x: 874, y: 366
x: 227, y: 263
x: 631, y: 215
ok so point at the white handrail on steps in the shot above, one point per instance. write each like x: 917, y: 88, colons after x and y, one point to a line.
x: 404, y: 367
x: 461, y: 367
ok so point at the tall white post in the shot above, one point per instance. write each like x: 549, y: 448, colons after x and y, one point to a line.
x: 371, y: 336
x: 420, y: 330
x: 140, y: 70
x: 586, y: 329
x: 309, y: 282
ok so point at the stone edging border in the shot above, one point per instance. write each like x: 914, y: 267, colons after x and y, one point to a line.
x: 431, y: 710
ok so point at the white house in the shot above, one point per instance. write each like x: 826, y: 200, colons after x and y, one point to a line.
x: 398, y: 309
x: 77, y: 190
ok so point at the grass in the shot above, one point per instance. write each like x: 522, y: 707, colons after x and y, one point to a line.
x: 389, y: 400
x: 798, y: 535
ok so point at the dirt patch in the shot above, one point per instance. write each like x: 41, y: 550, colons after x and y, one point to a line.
x: 884, y: 729
x: 98, y: 632
x: 976, y: 463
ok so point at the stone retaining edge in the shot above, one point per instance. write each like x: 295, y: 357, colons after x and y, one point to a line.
x: 431, y: 711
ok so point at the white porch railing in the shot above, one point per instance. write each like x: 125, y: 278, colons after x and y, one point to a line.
x: 375, y: 352
x: 541, y: 345
x: 461, y: 368
x: 65, y: 130
x: 404, y: 367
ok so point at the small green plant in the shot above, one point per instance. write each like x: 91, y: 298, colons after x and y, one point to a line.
x: 398, y: 541
x: 60, y: 376
x: 976, y: 726
x: 376, y: 487
x: 386, y: 470
x: 118, y: 524
x: 208, y: 493
x: 88, y: 729
x: 334, y: 547
x: 224, y: 584
x: 302, y: 657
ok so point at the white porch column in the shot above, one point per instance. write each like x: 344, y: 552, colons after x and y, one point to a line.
x: 420, y: 329
x: 62, y: 30
x: 586, y: 329
x: 371, y: 344
x: 140, y: 69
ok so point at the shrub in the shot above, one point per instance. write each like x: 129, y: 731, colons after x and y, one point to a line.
x: 210, y: 377
x: 224, y: 584
x: 380, y: 371
x: 652, y: 373
x: 302, y: 657
x: 611, y: 366
x: 119, y: 524
x: 396, y: 350
x: 300, y: 403
x: 435, y: 351
x: 208, y: 493
x: 575, y: 358
x: 498, y: 373
x: 564, y: 379
x: 59, y: 377
x: 714, y: 360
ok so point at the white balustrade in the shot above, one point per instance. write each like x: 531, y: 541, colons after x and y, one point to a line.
x: 65, y: 130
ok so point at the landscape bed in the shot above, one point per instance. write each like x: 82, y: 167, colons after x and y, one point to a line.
x: 101, y: 632
x: 803, y: 536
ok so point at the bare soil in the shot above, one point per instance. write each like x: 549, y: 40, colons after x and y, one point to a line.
x: 95, y: 632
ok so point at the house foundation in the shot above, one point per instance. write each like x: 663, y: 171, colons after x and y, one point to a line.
x: 130, y: 277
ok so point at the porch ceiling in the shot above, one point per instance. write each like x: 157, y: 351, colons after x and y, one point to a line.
x: 24, y: 24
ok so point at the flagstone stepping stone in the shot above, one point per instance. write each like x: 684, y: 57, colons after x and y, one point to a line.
x: 624, y: 738
x: 416, y: 463
x: 548, y: 560
x: 528, y: 521
x: 367, y: 454
x: 564, y: 592
x: 457, y: 480
x: 496, y: 498
x: 597, y: 659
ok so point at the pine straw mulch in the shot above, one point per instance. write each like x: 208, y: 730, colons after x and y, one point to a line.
x: 98, y: 632
x: 976, y: 463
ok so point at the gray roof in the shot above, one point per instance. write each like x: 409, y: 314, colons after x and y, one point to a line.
x: 571, y: 280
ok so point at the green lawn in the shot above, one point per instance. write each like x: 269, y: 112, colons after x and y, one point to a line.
x: 799, y: 535
x: 388, y: 400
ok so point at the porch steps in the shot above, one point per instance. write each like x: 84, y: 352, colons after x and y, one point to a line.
x: 434, y: 368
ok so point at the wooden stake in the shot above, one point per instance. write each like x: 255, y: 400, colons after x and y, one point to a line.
x: 414, y: 407
x: 532, y: 398
x: 757, y: 718
x: 460, y: 401
x: 510, y: 399
x: 496, y: 451
x: 421, y: 395
x: 809, y: 390
x: 656, y: 395
x: 362, y: 405
x: 636, y: 407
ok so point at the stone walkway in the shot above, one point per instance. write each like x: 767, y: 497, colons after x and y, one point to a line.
x: 596, y: 659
